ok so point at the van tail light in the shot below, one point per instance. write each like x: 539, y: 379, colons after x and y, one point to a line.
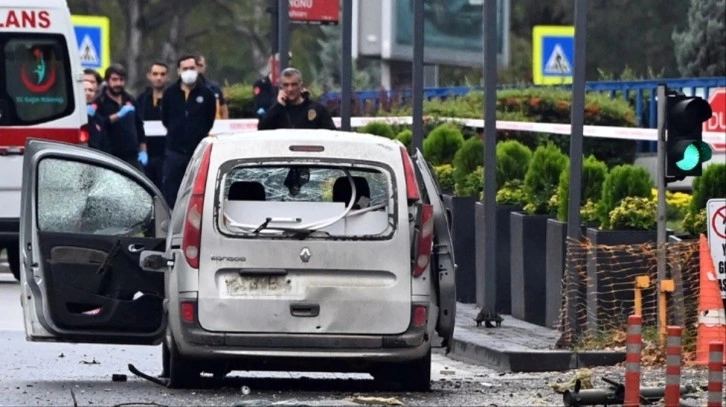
x: 425, y: 240
x: 412, y: 192
x: 420, y: 315
x: 83, y: 135
x: 188, y: 312
x: 191, y: 240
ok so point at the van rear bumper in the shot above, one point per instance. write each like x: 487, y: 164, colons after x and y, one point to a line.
x: 197, y: 343
x: 198, y: 336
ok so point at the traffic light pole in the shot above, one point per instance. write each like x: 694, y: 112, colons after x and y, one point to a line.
x: 661, y: 213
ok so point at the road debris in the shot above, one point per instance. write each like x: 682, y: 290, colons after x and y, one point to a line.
x: 246, y: 391
x: 157, y: 380
x: 118, y: 377
x: 93, y: 362
x: 584, y: 376
x: 384, y: 401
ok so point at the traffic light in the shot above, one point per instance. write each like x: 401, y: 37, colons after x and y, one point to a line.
x: 685, y: 149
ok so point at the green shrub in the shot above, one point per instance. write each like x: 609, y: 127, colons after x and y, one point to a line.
x: 445, y: 176
x: 240, y: 101
x: 696, y: 223
x: 711, y: 184
x: 634, y: 213
x: 472, y: 184
x: 546, y: 105
x: 594, y: 172
x: 512, y: 193
x: 379, y: 129
x: 468, y: 158
x: 623, y: 181
x: 405, y: 137
x: 543, y: 177
x: 442, y: 143
x: 513, y: 158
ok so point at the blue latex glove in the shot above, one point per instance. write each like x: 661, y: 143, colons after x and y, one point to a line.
x: 260, y: 111
x: 126, y: 109
x: 143, y: 158
x: 91, y: 110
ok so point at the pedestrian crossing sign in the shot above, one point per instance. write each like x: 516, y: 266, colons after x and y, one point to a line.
x: 94, y: 41
x: 553, y: 54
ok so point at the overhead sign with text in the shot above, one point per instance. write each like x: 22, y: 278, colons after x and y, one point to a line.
x: 716, y: 218
x: 314, y: 11
x: 553, y: 54
x: 93, y: 38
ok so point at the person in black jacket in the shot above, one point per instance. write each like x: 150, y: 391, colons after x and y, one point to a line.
x: 149, y: 103
x: 293, y: 108
x: 188, y: 108
x: 95, y: 127
x: 116, y: 109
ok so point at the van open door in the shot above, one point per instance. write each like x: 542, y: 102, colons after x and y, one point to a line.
x: 85, y: 219
x: 442, y: 259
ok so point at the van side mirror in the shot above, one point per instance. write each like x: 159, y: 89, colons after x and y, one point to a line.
x: 150, y: 260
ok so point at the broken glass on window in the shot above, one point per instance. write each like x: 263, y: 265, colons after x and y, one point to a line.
x: 74, y: 197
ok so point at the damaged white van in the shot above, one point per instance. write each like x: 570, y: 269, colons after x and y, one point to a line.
x: 303, y: 250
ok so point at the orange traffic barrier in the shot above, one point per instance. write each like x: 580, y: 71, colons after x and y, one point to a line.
x: 711, y: 318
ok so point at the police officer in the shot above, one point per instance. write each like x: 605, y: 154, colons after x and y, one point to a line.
x: 188, y: 108
x: 116, y: 109
x: 293, y: 108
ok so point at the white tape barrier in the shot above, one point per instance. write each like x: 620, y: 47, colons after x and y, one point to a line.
x: 715, y: 139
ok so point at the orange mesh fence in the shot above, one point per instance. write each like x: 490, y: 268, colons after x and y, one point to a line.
x: 605, y: 291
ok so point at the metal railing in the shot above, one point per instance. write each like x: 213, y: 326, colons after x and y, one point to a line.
x: 641, y: 94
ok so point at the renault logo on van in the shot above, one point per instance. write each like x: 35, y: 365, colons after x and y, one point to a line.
x: 305, y: 255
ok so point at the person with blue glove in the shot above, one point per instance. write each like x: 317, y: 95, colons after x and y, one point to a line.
x: 95, y: 126
x: 116, y: 110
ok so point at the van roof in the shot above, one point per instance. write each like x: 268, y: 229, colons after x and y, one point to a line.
x: 302, y: 136
x: 277, y: 143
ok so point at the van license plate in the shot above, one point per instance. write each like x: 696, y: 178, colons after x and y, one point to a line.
x: 245, y: 286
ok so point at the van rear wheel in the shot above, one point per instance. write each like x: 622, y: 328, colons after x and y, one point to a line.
x: 183, y: 373
x: 407, y: 376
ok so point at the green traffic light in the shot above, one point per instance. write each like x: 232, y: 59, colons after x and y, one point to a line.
x: 691, y: 158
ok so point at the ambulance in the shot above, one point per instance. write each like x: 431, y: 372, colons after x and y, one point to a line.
x: 41, y: 96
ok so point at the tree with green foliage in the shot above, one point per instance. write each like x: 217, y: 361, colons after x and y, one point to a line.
x: 700, y: 48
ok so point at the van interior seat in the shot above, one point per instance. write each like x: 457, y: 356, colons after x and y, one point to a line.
x: 342, y: 191
x: 246, y: 191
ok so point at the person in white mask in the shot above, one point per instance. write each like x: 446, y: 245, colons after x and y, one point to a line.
x: 188, y: 109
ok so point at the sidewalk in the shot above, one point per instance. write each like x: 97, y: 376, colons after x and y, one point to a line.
x: 518, y: 346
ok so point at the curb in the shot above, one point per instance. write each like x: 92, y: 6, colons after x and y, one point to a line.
x: 532, y: 361
x: 519, y: 346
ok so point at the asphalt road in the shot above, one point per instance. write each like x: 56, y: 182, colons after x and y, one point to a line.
x: 44, y: 374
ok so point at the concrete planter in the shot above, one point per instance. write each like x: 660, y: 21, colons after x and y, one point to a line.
x: 462, y: 237
x: 528, y: 266
x: 502, y: 281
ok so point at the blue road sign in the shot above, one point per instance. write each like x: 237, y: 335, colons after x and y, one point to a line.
x: 93, y: 40
x: 553, y: 54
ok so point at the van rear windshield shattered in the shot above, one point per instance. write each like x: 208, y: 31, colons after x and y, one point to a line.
x: 308, y: 201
